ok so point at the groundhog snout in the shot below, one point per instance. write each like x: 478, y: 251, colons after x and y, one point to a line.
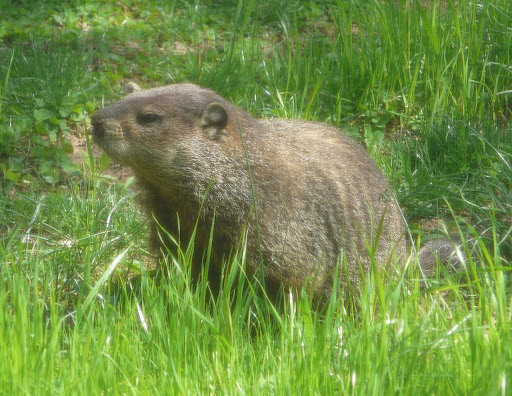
x: 104, y: 128
x: 98, y: 129
x: 98, y: 125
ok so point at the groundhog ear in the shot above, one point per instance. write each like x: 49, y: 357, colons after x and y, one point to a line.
x: 214, y: 119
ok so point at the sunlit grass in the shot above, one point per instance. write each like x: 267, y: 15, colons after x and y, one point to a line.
x: 426, y: 89
x: 58, y: 333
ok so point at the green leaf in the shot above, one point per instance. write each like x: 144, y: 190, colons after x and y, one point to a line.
x: 41, y: 115
x: 103, y: 162
x: 9, y: 174
x: 41, y: 128
x: 77, y: 108
x: 52, y: 135
x: 68, y: 166
x: 67, y: 146
x: 64, y: 111
x: 54, y: 120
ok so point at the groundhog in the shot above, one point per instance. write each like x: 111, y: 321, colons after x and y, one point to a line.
x: 304, y: 202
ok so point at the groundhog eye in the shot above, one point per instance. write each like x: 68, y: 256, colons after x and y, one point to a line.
x: 148, y: 118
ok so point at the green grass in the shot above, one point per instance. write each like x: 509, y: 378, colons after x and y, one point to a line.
x: 426, y: 89
x: 57, y: 337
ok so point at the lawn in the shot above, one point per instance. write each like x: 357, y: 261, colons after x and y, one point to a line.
x: 425, y: 86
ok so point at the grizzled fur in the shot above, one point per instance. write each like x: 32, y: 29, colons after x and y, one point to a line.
x: 318, y: 194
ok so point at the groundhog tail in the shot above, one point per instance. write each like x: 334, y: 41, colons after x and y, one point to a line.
x: 441, y: 250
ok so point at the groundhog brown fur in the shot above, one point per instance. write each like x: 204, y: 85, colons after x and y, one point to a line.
x: 301, y: 196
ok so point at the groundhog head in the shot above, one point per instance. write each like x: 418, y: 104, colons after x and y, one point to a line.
x: 153, y: 128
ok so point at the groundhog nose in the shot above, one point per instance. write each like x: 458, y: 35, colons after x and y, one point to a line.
x: 98, y: 129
